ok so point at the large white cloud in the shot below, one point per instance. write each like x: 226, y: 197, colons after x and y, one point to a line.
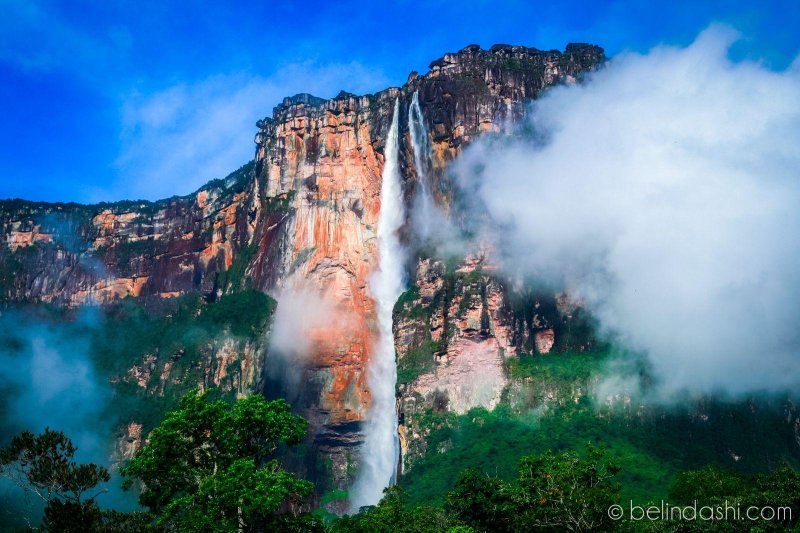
x: 666, y: 192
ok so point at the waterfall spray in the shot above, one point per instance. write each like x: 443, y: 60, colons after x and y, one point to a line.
x: 381, y: 445
x: 424, y: 208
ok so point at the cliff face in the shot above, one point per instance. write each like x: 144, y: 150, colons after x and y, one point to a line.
x: 327, y: 156
x: 72, y: 254
x: 458, y: 328
x: 302, y: 216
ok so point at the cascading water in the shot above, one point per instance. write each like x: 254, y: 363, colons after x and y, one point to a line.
x: 381, y: 445
x: 424, y: 208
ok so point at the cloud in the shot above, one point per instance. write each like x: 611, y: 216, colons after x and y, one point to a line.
x: 176, y: 139
x: 49, y: 381
x: 666, y: 193
x: 303, y: 320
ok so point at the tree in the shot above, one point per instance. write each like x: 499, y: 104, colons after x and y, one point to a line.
x: 43, y: 465
x: 208, y: 467
x: 708, y: 484
x: 564, y: 492
x: 394, y: 514
x: 567, y: 491
x: 716, y: 486
x: 487, y: 503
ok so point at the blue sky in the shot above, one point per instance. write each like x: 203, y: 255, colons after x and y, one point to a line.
x: 110, y: 100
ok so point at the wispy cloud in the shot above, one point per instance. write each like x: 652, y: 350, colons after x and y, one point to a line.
x: 178, y: 138
x: 177, y: 132
x: 37, y: 37
x: 52, y: 380
x: 303, y: 320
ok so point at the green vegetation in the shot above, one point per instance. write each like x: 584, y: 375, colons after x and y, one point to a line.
x: 546, y: 407
x: 524, y: 465
x: 578, y: 333
x: 208, y: 467
x: 394, y: 514
x: 561, y: 370
x: 550, y: 404
x: 513, y: 64
x: 573, y: 491
x: 234, y: 182
x: 132, y: 343
x: 234, y: 278
x: 326, y: 499
x: 302, y: 256
x: 416, y: 361
x: 243, y: 313
x: 564, y: 492
x: 527, y: 311
x: 182, y: 334
x: 279, y: 204
x: 408, y: 297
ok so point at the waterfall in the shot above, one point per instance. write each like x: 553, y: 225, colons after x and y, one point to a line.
x: 381, y: 445
x: 424, y: 207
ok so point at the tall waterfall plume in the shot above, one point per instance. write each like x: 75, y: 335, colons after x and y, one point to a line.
x: 424, y: 207
x: 381, y: 445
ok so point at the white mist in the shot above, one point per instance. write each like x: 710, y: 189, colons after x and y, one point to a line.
x: 381, y: 445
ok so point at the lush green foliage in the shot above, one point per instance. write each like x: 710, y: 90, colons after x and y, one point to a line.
x: 208, y: 466
x: 234, y: 279
x: 394, y: 514
x: 408, y: 297
x: 233, y: 183
x: 279, y: 204
x: 45, y: 464
x: 566, y: 492
x: 183, y: 333
x: 571, y: 491
x: 714, y: 486
x: 559, y: 370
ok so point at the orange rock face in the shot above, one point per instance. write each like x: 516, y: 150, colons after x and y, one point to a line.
x: 20, y: 239
x: 325, y: 160
x: 109, y: 289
